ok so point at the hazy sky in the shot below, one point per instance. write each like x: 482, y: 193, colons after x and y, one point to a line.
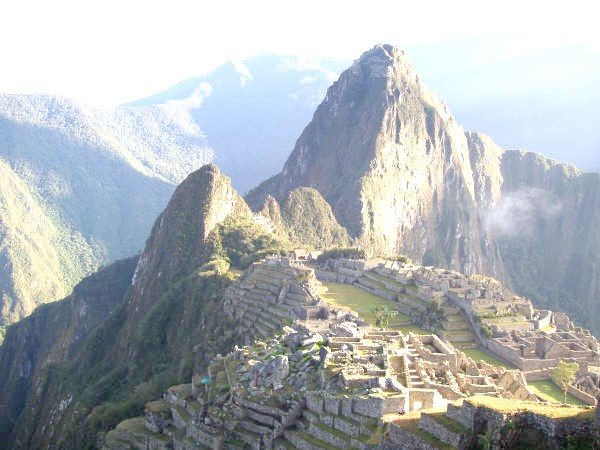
x: 109, y: 52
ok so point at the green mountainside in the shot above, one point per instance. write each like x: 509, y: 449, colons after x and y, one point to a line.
x: 99, y: 178
x: 305, y: 219
x: 148, y: 323
x: 40, y: 257
x: 73, y: 196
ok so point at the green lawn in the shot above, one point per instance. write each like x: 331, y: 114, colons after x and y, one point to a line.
x: 363, y: 303
x: 479, y: 353
x: 513, y: 406
x: 549, y: 391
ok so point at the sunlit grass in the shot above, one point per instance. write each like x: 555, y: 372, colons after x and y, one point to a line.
x: 479, y: 353
x: 550, y: 392
x: 514, y: 406
x: 364, y: 303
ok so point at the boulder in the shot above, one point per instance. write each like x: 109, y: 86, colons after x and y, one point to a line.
x: 346, y: 329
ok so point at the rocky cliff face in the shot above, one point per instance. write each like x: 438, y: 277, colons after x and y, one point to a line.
x: 305, y: 219
x: 403, y: 177
x: 393, y: 164
x: 202, y: 201
x: 546, y: 226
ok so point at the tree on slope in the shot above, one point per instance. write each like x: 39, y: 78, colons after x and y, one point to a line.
x: 564, y: 374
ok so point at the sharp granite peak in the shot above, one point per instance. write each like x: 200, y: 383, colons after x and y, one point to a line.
x: 402, y: 163
x: 200, y: 203
x: 383, y: 166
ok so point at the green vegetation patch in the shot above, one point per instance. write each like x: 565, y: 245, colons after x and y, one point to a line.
x: 513, y: 406
x: 240, y: 242
x: 549, y: 391
x: 481, y: 354
x: 365, y: 304
x: 342, y: 252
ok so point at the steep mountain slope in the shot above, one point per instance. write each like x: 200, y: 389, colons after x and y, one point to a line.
x: 39, y: 257
x: 539, y: 99
x: 403, y: 177
x: 305, y: 219
x: 53, y: 333
x: 87, y: 184
x: 85, y: 376
x: 547, y: 228
x: 72, y: 198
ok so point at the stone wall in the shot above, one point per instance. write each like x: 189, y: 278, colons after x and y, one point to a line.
x: 424, y: 399
x: 512, y: 356
x: 400, y: 438
x: 538, y: 375
x: 544, y: 319
x: 462, y: 414
x: 429, y: 424
x: 375, y: 405
x: 443, y: 353
x: 583, y: 396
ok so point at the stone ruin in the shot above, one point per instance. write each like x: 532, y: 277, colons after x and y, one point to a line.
x: 483, y: 313
x: 325, y: 380
x: 304, y: 389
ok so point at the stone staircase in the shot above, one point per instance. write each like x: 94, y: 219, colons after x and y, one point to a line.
x: 414, y: 380
x: 329, y: 423
x: 260, y: 426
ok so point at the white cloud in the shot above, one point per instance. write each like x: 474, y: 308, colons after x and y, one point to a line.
x: 109, y: 52
x: 518, y: 212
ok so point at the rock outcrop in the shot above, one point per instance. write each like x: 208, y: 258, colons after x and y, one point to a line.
x: 393, y: 164
x: 305, y: 219
x: 201, y: 202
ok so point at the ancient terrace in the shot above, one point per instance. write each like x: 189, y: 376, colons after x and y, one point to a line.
x: 326, y: 379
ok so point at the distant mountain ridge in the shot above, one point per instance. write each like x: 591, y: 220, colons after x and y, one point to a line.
x: 383, y: 164
x: 251, y: 112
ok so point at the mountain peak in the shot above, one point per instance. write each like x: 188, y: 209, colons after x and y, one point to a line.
x: 200, y: 203
x: 384, y: 61
x: 395, y: 151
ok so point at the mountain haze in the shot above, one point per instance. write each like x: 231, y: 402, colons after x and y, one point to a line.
x: 382, y: 164
x: 251, y: 112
